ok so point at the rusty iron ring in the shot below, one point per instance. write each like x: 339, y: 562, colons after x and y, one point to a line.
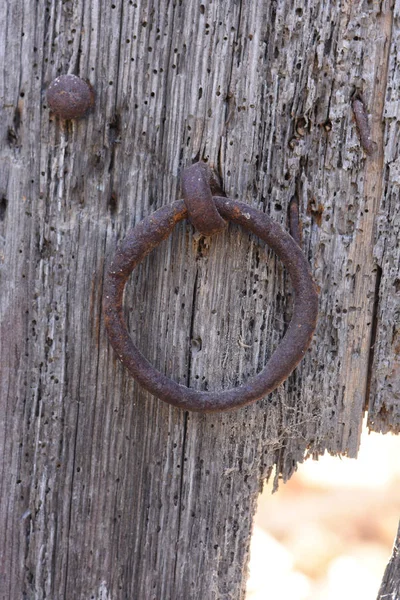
x: 198, y: 188
x: 148, y: 234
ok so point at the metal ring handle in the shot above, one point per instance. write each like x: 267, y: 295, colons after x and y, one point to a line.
x: 198, y: 197
x: 148, y: 234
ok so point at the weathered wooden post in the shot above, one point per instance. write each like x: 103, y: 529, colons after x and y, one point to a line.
x: 107, y: 492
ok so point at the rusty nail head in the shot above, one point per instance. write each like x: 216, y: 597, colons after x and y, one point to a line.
x: 70, y: 97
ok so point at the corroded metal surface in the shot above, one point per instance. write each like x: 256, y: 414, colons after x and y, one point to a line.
x: 363, y: 128
x: 294, y: 221
x: 197, y: 188
x: 70, y: 97
x: 148, y: 234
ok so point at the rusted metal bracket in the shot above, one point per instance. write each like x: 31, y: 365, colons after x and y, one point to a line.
x: 148, y: 234
x: 198, y: 188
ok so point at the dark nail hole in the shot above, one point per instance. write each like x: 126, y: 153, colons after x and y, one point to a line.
x: 114, y: 128
x: 11, y: 137
x: 3, y: 208
x: 17, y: 119
x: 196, y: 344
x: 113, y: 203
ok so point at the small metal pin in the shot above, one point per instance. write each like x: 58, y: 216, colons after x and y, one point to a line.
x: 364, y: 132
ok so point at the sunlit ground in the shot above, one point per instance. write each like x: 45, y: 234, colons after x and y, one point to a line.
x: 328, y: 533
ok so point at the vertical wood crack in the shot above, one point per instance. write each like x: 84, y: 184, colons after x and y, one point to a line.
x: 374, y: 328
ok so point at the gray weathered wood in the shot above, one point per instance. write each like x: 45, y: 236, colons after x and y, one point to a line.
x: 384, y: 400
x: 390, y: 588
x: 105, y: 491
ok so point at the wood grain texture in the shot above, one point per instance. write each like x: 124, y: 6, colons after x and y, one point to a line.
x: 105, y: 491
x: 384, y: 400
x: 389, y: 589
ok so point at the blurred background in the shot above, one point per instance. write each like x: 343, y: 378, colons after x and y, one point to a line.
x: 328, y: 533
